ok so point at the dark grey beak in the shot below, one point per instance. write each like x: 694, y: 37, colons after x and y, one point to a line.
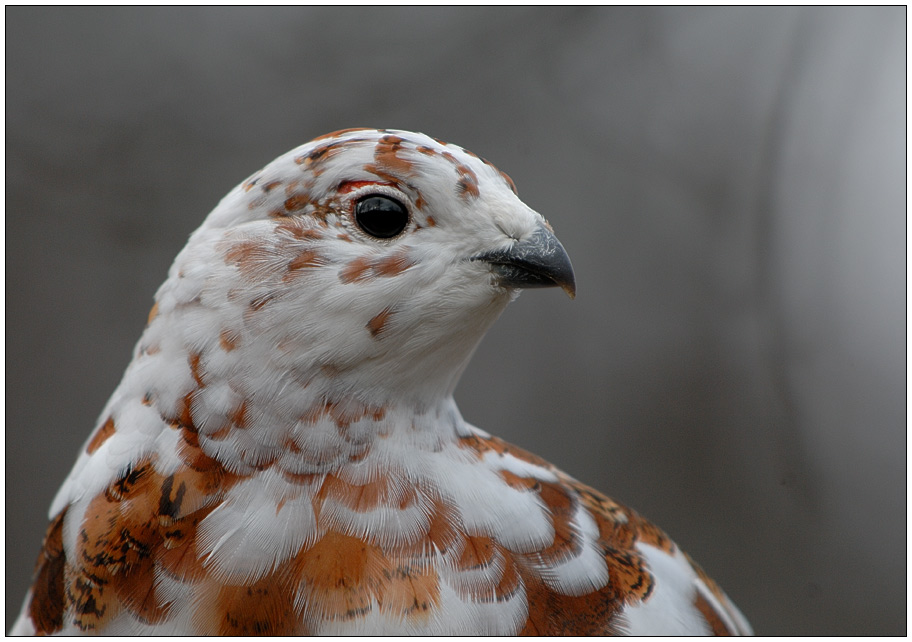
x: 538, y: 261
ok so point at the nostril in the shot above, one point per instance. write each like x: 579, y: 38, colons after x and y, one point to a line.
x: 512, y: 237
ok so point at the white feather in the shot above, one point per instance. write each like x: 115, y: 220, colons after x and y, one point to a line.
x: 582, y: 573
x: 260, y: 524
x: 670, y: 608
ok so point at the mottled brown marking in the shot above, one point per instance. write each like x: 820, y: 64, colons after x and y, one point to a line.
x: 292, y: 187
x: 444, y: 532
x: 138, y: 593
x: 346, y: 187
x: 152, y: 313
x: 517, y: 482
x: 410, y: 592
x: 450, y: 158
x: 143, y: 521
x: 393, y: 264
x: 289, y: 445
x: 619, y: 530
x: 221, y: 434
x: 386, y: 155
x: 195, y: 369
x: 257, y: 303
x: 250, y: 182
x: 124, y: 485
x: 481, y: 445
x: 378, y: 322
x: 344, y: 575
x: 256, y: 202
x: 176, y: 553
x: 551, y: 613
x: 467, y: 185
x: 716, y: 624
x: 315, y: 159
x: 355, y: 270
x: 430, y: 221
x: 271, y: 185
x: 101, y: 435
x: 387, y: 490
x: 330, y: 370
x: 341, y: 132
x: 264, y: 607
x: 509, y: 182
x: 111, y: 551
x: 184, y: 418
x: 649, y: 533
x: 205, y: 474
x: 603, y: 508
x: 383, y: 174
x: 466, y: 188
x: 239, y: 416
x: 299, y: 478
x: 92, y: 603
x: 561, y: 505
x: 305, y: 259
x: 291, y: 246
x: 300, y: 229
x: 359, y: 453
x: 245, y: 255
x: 48, y: 600
x: 501, y: 578
x: 296, y: 203
x: 510, y: 580
x: 229, y: 339
x: 170, y: 500
x: 478, y: 552
x: 364, y: 269
x: 360, y: 498
x: 343, y: 414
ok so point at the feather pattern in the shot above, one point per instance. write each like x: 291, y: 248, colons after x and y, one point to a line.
x: 284, y: 456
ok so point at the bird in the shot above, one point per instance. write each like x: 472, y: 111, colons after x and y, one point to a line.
x: 284, y: 455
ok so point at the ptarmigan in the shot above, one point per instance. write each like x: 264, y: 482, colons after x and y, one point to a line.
x: 284, y: 455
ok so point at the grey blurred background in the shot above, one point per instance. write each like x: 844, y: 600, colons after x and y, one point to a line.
x: 729, y: 182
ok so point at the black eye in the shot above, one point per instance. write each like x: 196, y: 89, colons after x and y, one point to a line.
x: 381, y: 216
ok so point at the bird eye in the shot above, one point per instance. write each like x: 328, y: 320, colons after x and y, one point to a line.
x: 381, y: 216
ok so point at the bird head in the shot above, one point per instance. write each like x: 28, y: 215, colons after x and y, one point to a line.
x: 367, y: 262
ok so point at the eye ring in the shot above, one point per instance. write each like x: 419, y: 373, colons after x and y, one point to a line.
x: 381, y: 216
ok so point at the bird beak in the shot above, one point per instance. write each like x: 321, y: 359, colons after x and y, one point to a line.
x: 538, y: 261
